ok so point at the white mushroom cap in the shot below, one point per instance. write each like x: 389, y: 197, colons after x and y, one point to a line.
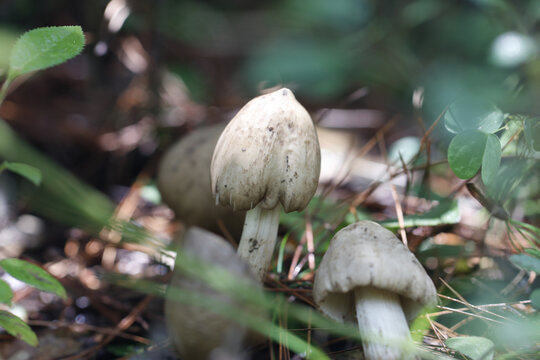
x: 183, y: 179
x: 366, y: 254
x: 269, y: 154
x: 195, y: 331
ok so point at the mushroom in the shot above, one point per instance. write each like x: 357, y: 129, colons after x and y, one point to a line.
x: 197, y: 332
x: 368, y: 275
x: 183, y: 179
x: 268, y: 157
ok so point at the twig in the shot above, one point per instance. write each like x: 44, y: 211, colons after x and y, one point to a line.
x: 395, y: 196
x: 88, y: 327
x: 124, y: 324
x: 469, y: 314
x: 361, y: 152
x: 307, y: 239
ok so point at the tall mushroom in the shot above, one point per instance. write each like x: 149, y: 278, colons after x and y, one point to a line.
x: 268, y: 157
x: 198, y: 332
x: 368, y: 275
x: 183, y: 179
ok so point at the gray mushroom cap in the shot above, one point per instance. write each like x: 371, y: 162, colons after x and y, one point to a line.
x: 197, y: 332
x: 183, y: 179
x: 366, y: 254
x: 269, y: 154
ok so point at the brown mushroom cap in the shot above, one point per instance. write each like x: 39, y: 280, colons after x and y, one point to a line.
x: 366, y: 254
x: 269, y: 154
x: 196, y: 331
x: 183, y: 179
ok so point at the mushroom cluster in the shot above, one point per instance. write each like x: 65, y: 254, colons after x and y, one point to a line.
x: 369, y: 276
x: 266, y: 159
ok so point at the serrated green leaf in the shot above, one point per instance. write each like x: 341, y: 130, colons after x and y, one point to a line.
x: 491, y: 159
x: 474, y: 347
x: 18, y: 328
x: 535, y: 299
x: 45, y: 47
x: 526, y: 262
x: 33, y: 275
x: 29, y: 172
x: 466, y: 152
x: 473, y: 115
x: 6, y: 295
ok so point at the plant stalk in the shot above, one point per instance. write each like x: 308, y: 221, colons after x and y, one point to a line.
x: 259, y: 238
x: 382, y: 323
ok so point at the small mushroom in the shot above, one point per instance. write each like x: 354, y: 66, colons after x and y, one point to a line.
x: 268, y: 157
x: 183, y: 179
x: 368, y: 275
x: 197, y: 332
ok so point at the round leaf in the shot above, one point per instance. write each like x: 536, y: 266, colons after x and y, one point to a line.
x: 491, y: 159
x: 474, y: 347
x: 33, y: 275
x: 18, y: 328
x: 473, y: 115
x: 45, y: 47
x: 466, y: 152
x: 491, y: 120
x: 6, y: 295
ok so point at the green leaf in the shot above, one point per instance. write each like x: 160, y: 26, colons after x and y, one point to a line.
x: 18, y: 328
x: 491, y: 159
x: 428, y: 249
x: 535, y: 299
x: 526, y: 262
x: 45, y: 47
x: 29, y: 172
x: 491, y: 121
x: 6, y: 295
x: 474, y: 347
x: 473, y: 115
x: 447, y: 212
x: 465, y: 153
x: 533, y: 252
x: 33, y: 275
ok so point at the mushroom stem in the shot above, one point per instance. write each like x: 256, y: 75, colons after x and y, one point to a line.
x: 259, y: 238
x: 382, y: 324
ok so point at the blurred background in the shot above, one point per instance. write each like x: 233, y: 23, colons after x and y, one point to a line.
x: 154, y: 71
x: 151, y: 70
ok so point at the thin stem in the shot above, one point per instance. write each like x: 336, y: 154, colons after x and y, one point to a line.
x: 259, y: 238
x: 382, y: 324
